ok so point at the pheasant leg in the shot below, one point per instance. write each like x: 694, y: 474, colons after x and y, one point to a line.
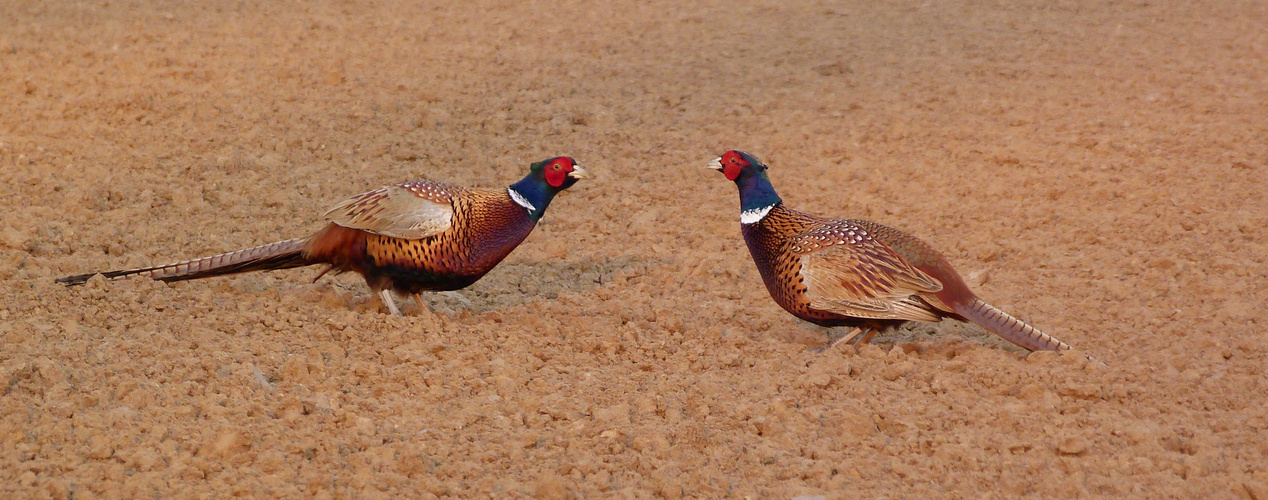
x: 833, y: 343
x: 423, y: 310
x: 867, y: 337
x: 386, y: 296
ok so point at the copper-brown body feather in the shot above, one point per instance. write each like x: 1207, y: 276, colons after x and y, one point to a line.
x: 410, y: 238
x: 485, y: 226
x: 835, y: 272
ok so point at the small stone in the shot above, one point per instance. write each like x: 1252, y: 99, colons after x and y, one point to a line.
x: 227, y: 443
x: 870, y: 351
x: 550, y: 487
x: 14, y: 239
x: 1042, y: 357
x: 295, y: 370
x: 1075, y: 360
x: 99, y: 447
x: 1072, y: 446
x: 897, y: 371
x: 1031, y: 392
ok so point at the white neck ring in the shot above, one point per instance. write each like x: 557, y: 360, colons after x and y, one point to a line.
x: 753, y: 215
x: 520, y: 200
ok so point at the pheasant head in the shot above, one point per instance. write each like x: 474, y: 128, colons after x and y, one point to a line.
x: 757, y: 195
x: 545, y: 179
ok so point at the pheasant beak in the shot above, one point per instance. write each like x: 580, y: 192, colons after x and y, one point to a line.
x: 716, y: 164
x: 578, y: 173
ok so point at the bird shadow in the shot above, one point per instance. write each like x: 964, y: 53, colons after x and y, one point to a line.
x: 510, y: 285
x: 922, y: 335
x: 519, y: 283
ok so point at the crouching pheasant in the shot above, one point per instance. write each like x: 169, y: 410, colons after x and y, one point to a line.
x: 838, y: 272
x: 409, y: 238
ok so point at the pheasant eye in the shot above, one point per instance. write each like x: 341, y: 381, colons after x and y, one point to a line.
x: 556, y: 174
x: 732, y: 165
x: 733, y: 158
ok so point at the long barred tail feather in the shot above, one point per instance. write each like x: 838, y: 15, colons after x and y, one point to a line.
x: 279, y: 255
x: 1010, y: 328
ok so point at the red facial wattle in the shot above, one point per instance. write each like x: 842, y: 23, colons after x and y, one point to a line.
x: 557, y: 171
x: 732, y: 165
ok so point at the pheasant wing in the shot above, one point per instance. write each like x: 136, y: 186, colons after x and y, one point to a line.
x: 413, y: 210
x: 849, y: 272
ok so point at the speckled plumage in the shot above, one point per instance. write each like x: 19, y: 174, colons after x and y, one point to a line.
x: 408, y: 238
x: 846, y: 272
x: 487, y: 226
x: 784, y: 241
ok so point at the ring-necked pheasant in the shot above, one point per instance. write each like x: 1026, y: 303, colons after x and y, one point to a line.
x: 409, y: 238
x: 838, y: 272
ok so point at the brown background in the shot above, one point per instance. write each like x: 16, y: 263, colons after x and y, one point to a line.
x: 1098, y: 170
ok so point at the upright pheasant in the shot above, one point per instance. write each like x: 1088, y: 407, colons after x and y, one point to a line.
x: 836, y: 272
x: 409, y: 238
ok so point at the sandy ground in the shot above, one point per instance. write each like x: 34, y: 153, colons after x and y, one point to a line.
x: 1098, y: 169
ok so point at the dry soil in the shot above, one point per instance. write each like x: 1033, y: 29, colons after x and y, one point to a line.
x: 1097, y: 168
